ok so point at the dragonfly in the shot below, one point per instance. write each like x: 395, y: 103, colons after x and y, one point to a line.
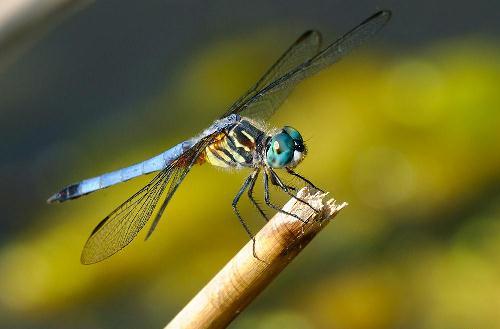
x: 238, y: 139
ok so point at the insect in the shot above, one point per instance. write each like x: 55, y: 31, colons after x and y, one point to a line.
x: 235, y: 140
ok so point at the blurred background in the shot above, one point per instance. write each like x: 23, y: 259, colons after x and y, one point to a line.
x: 406, y: 129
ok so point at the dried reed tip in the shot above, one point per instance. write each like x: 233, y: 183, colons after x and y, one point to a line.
x: 327, y: 208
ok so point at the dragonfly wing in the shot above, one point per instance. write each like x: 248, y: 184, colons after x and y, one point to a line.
x: 123, y: 224
x: 264, y: 102
x: 176, y: 179
x: 306, y: 47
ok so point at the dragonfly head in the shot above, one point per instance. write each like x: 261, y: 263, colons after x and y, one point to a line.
x: 285, y: 149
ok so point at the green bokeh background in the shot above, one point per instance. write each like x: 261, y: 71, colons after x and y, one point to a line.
x: 407, y: 132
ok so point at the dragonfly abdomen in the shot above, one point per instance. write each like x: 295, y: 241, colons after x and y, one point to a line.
x: 235, y: 147
x: 89, y: 185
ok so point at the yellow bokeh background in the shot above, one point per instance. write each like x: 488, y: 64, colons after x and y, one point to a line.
x: 411, y: 141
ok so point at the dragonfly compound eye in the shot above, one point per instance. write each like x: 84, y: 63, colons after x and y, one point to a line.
x: 298, y: 146
x: 280, y: 150
x: 297, y: 138
x: 294, y: 133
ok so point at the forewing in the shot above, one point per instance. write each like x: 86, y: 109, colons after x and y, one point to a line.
x: 265, y: 101
x: 122, y: 225
x: 306, y: 47
x: 177, y: 178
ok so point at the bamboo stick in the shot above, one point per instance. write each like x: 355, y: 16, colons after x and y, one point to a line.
x: 244, y: 276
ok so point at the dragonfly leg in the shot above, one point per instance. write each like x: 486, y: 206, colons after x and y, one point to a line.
x: 277, y: 181
x: 254, y: 175
x: 293, y: 173
x: 267, y: 198
x: 245, y: 185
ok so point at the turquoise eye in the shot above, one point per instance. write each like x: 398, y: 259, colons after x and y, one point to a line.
x: 293, y: 133
x: 280, y: 150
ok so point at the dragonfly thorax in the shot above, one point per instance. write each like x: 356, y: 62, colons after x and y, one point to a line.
x: 285, y: 149
x: 238, y: 145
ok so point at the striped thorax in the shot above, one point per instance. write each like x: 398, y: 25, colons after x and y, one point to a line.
x: 236, y: 146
